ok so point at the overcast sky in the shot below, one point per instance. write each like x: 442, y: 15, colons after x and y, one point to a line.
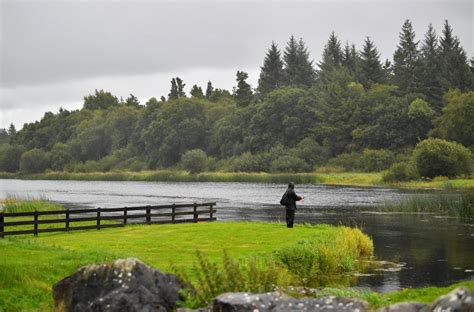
x: 55, y: 52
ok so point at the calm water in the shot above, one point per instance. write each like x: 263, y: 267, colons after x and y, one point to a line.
x: 431, y: 250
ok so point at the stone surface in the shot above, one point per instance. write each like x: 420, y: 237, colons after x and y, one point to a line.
x: 404, y: 307
x: 122, y: 285
x: 277, y: 302
x: 459, y: 300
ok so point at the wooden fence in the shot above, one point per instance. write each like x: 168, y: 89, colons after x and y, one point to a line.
x: 118, y: 217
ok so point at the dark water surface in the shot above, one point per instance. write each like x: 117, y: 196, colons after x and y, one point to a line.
x: 430, y: 249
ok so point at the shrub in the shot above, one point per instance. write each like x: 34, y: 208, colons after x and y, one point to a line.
x: 195, y: 161
x: 289, y: 164
x: 60, y: 156
x: 436, y: 157
x: 10, y: 157
x: 376, y: 160
x: 400, y: 172
x: 34, y: 161
x: 247, y: 162
x: 348, y: 161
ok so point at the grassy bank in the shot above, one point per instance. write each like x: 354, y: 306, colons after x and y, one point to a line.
x: 329, y: 178
x: 377, y: 300
x: 29, y: 266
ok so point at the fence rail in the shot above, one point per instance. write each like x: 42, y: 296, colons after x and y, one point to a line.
x: 164, y: 214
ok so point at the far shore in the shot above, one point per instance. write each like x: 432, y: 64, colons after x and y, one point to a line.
x: 364, y: 179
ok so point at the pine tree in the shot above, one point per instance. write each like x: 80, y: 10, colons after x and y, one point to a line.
x: 11, y: 130
x: 271, y: 74
x: 196, y: 92
x: 177, y: 89
x: 430, y: 84
x: 209, y: 90
x: 298, y: 69
x: 454, y: 65
x: 350, y: 58
x: 307, y: 73
x: 333, y: 57
x: 243, y: 93
x: 406, y: 61
x: 370, y: 68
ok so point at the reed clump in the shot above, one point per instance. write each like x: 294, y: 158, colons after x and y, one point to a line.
x: 459, y: 205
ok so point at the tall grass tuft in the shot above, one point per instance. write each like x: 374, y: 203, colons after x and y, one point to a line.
x: 314, y: 260
x: 254, y: 274
x: 458, y: 205
x: 14, y: 204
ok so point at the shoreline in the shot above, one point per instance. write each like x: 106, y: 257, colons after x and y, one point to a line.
x: 348, y: 179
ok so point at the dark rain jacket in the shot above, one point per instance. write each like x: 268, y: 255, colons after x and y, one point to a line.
x: 292, y: 198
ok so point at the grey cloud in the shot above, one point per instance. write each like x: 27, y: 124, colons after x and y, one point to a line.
x: 49, y: 41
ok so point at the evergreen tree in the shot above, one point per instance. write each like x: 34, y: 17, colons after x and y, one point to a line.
x: 333, y: 57
x: 454, y: 65
x: 132, y: 100
x: 196, y: 92
x: 370, y: 68
x: 406, y: 60
x: 350, y: 58
x: 271, y: 73
x: 177, y: 89
x: 209, y: 90
x: 11, y: 130
x: 430, y: 71
x: 243, y: 93
x: 298, y: 69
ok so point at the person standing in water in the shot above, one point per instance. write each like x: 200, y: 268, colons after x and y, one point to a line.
x: 290, y: 206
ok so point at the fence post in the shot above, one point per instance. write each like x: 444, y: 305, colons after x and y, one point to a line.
x: 2, y: 228
x: 173, y: 213
x: 67, y: 220
x: 35, y: 228
x: 98, y: 219
x: 148, y: 217
x: 210, y: 211
x: 125, y: 216
x: 195, y: 212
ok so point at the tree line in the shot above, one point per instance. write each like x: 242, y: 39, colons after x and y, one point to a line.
x: 351, y: 109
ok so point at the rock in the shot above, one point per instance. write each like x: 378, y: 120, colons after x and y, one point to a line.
x: 277, y: 302
x: 404, y: 307
x: 459, y: 300
x: 122, y: 285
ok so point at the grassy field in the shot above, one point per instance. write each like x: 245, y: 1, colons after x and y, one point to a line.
x: 30, y: 266
x: 324, y: 177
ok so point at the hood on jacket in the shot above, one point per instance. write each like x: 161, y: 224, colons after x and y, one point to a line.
x: 291, y: 185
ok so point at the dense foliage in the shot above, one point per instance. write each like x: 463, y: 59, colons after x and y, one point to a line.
x: 349, y: 110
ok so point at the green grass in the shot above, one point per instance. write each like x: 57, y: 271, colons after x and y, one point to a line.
x: 377, y: 300
x: 325, y: 176
x: 12, y: 204
x: 29, y: 266
x: 460, y: 205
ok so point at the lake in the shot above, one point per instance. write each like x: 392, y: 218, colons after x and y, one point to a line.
x: 430, y: 249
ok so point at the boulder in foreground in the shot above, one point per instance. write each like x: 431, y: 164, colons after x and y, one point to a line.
x: 122, y: 285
